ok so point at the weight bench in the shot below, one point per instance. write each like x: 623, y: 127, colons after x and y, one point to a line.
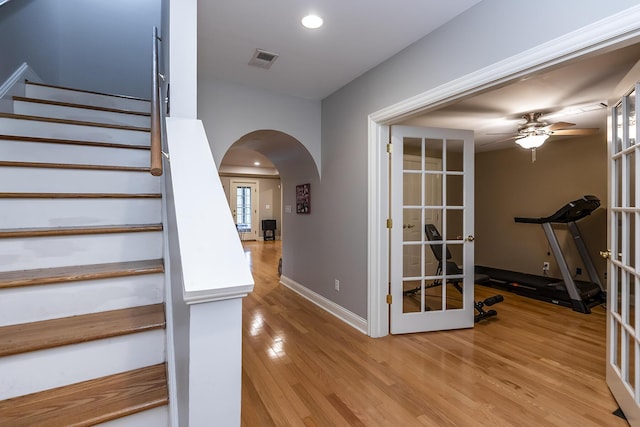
x: 432, y: 233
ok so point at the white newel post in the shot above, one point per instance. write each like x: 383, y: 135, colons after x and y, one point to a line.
x: 215, y: 369
x: 215, y: 276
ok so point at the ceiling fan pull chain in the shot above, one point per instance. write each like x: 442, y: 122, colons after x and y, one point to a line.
x: 533, y: 155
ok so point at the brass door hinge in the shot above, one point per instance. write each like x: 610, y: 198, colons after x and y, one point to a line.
x: 389, y: 223
x: 389, y: 148
x: 389, y: 299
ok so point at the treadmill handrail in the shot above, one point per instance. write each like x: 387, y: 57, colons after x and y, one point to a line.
x: 571, y: 212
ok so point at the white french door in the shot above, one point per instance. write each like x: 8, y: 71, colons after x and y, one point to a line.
x: 431, y: 185
x: 623, y: 294
x: 243, y: 200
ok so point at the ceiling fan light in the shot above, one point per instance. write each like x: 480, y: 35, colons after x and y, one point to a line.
x: 532, y: 141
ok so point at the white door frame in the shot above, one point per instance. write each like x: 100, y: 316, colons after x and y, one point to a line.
x: 607, y: 33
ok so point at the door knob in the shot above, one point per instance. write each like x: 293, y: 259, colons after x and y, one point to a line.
x: 470, y: 238
x: 606, y: 254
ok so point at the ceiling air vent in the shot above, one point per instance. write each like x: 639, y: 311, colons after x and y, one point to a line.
x: 263, y: 59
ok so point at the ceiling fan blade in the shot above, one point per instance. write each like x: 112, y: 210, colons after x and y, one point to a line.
x: 507, y: 139
x: 576, y: 132
x: 559, y: 125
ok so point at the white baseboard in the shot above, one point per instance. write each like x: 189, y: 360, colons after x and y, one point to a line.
x: 14, y: 86
x: 331, y: 307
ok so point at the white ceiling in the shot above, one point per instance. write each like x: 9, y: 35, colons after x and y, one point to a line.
x: 357, y: 35
x: 360, y: 34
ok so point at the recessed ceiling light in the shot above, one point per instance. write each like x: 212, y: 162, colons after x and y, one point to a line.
x: 312, y: 21
x: 256, y: 163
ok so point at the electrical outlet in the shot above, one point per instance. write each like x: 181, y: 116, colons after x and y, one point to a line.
x: 337, y: 285
x: 545, y: 266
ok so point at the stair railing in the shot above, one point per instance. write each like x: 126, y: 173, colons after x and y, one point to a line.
x: 156, y: 118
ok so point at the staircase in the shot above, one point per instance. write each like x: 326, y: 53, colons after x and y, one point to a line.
x: 82, y: 321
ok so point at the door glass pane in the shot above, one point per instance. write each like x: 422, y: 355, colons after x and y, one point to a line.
x: 617, y: 128
x: 412, y: 193
x: 631, y: 120
x: 454, y: 155
x: 433, y: 189
x: 631, y: 244
x: 411, y: 225
x: 630, y: 160
x: 433, y: 150
x: 455, y: 224
x: 455, y: 190
x: 631, y: 362
x: 412, y: 260
x: 412, y: 150
x: 412, y: 296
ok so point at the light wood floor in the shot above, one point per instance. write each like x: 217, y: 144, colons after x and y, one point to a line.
x: 535, y: 364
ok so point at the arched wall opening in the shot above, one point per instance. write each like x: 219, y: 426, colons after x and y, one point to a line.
x: 284, y: 164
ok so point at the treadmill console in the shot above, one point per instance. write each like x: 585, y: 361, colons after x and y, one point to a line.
x: 571, y: 212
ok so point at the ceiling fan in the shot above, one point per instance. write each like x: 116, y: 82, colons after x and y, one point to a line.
x: 534, y: 132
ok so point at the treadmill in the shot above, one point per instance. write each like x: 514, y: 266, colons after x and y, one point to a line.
x: 577, y: 294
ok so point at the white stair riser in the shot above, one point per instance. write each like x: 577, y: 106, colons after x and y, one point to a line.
x: 60, y: 251
x: 37, y: 180
x: 43, y: 129
x: 78, y: 97
x: 41, y: 370
x: 156, y: 417
x: 43, y: 302
x: 32, y: 213
x: 42, y: 152
x: 78, y: 113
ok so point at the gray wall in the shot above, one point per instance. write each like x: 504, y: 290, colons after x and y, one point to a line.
x: 95, y: 45
x: 28, y: 33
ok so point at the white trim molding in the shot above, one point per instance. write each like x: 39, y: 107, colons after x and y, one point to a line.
x: 14, y: 86
x: 329, y: 306
x: 614, y: 30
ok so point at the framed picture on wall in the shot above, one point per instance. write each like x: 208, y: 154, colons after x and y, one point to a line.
x: 303, y: 198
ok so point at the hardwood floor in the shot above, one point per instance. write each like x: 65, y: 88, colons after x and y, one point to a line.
x: 535, y: 364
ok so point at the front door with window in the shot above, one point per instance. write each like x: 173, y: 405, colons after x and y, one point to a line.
x: 431, y: 264
x: 244, y: 206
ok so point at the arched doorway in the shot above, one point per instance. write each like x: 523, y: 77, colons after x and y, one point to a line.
x: 284, y: 163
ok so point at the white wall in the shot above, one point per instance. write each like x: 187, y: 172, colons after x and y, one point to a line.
x: 95, y: 45
x: 230, y: 111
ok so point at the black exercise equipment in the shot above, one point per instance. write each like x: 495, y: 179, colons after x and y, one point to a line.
x: 479, y: 306
x: 432, y: 233
x: 568, y: 292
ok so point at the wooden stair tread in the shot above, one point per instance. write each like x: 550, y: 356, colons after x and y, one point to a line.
x: 83, y: 106
x: 72, y: 122
x: 71, y: 142
x: 74, y: 166
x: 78, y: 230
x: 89, y: 402
x: 80, y: 195
x: 46, y: 276
x: 86, y: 91
x: 26, y: 337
